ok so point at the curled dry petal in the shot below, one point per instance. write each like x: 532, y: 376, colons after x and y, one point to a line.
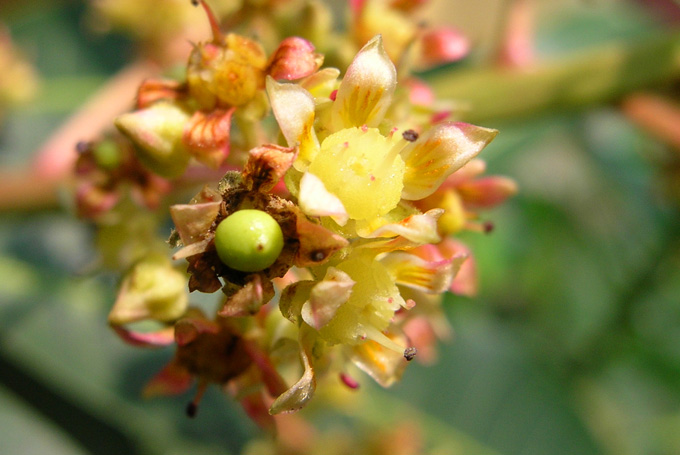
x: 414, y: 230
x: 248, y: 299
x: 293, y: 107
x: 366, y: 91
x: 206, y: 136
x: 191, y: 250
x: 293, y: 297
x: 316, y: 200
x: 294, y: 59
x: 302, y: 391
x: 203, y: 277
x: 152, y: 90
x: 438, y: 153
x: 193, y: 220
x: 317, y: 243
x: 266, y: 165
x: 326, y: 297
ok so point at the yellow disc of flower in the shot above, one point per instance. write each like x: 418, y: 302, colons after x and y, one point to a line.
x: 363, y: 169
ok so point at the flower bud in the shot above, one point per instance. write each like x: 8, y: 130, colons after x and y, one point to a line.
x: 443, y: 45
x: 157, y: 132
x: 227, y: 73
x: 294, y: 59
x: 152, y: 289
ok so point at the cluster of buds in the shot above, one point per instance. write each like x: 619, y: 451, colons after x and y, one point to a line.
x: 327, y: 236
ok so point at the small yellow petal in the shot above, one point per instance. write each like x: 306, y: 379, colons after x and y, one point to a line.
x: 316, y: 200
x: 438, y: 153
x: 293, y: 107
x: 326, y: 297
x: 366, y: 91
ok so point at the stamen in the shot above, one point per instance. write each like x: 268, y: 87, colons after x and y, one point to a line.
x: 192, y: 407
x: 349, y: 381
x: 485, y: 227
x: 410, y: 353
x: 410, y: 135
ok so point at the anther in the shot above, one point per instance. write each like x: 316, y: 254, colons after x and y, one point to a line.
x: 192, y: 408
x: 410, y: 353
x: 410, y: 135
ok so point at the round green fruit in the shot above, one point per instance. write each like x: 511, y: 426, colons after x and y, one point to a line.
x: 248, y: 240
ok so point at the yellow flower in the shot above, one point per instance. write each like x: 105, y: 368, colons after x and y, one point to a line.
x: 361, y: 165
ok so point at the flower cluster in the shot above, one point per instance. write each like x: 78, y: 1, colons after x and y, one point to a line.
x: 328, y: 233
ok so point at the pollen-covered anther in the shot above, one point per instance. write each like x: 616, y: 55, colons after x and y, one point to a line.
x: 349, y: 381
x: 410, y: 135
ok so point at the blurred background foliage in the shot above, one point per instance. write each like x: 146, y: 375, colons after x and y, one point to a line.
x: 572, y: 346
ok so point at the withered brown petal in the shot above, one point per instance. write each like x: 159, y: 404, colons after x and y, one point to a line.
x: 248, y: 300
x: 203, y: 277
x: 267, y: 165
x: 317, y: 243
x: 206, y: 136
x: 152, y: 90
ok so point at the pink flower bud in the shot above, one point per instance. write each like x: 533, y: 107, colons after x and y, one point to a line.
x: 443, y: 45
x: 420, y: 93
x: 294, y: 59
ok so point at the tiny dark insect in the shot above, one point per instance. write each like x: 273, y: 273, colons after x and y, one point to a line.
x: 410, y: 353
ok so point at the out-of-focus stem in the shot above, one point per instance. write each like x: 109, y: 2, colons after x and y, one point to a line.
x: 35, y: 187
x: 591, y: 77
x: 656, y: 115
x: 22, y: 190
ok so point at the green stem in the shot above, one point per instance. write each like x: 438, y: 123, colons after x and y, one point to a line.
x: 592, y: 77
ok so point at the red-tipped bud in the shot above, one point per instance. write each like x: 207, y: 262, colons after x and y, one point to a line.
x: 294, y: 59
x: 443, y: 45
x: 487, y: 191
